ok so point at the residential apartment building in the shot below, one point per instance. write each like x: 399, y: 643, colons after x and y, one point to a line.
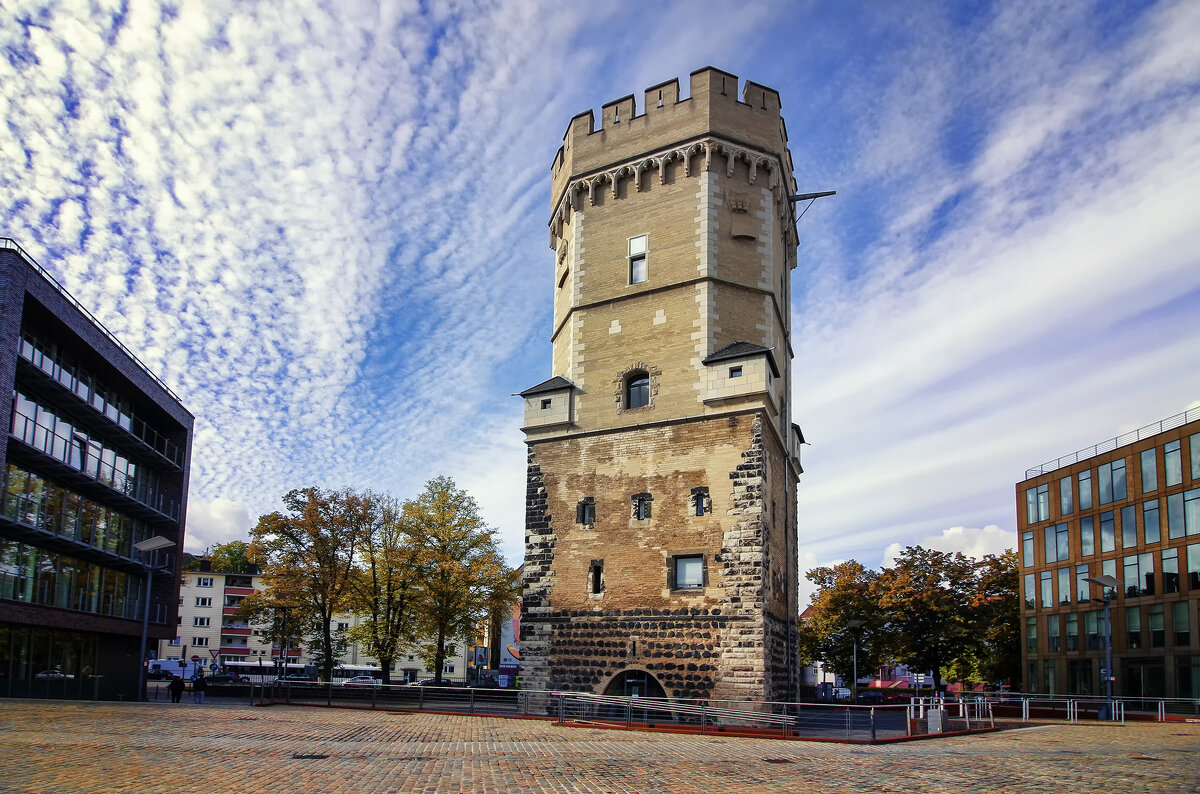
x: 209, y: 628
x: 1128, y: 508
x: 95, y: 461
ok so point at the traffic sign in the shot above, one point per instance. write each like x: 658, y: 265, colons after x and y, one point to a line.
x: 195, y: 658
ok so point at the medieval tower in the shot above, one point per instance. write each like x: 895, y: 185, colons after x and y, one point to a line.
x: 660, y: 537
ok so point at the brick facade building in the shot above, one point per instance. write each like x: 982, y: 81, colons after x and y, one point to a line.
x: 1128, y: 508
x: 661, y: 528
x: 95, y: 460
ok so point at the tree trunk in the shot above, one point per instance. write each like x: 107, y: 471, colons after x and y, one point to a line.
x: 327, y: 663
x: 439, y: 657
x: 385, y: 665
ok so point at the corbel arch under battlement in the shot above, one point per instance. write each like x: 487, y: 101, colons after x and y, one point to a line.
x: 636, y: 167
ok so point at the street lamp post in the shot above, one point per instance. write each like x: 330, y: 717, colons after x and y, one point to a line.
x: 851, y: 626
x: 1108, y: 585
x: 148, y: 545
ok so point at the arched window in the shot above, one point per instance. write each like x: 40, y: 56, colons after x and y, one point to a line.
x: 637, y: 390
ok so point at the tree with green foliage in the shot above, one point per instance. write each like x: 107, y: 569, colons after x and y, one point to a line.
x: 926, y: 598
x: 308, y: 553
x: 996, y: 618
x: 930, y: 610
x: 231, y: 557
x: 846, y: 593
x: 459, y: 564
x: 385, y: 584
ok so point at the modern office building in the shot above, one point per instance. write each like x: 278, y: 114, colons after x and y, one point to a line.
x: 1128, y: 508
x: 660, y: 552
x: 95, y: 461
x: 210, y: 630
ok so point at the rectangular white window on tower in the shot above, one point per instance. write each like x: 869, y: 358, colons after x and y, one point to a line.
x: 689, y: 572
x: 637, y: 259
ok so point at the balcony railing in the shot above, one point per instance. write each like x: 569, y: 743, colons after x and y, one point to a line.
x: 29, y: 432
x: 27, y: 589
x: 1148, y: 431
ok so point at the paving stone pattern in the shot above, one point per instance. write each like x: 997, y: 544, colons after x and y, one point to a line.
x: 63, y: 747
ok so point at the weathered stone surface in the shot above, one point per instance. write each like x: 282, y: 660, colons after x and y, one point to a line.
x: 715, y: 434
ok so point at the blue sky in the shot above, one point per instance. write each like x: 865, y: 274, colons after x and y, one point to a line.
x: 324, y: 225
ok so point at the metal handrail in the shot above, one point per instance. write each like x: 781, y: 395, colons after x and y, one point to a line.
x: 1154, y: 429
x: 8, y: 242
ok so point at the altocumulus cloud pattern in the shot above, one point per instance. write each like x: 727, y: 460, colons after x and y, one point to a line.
x: 324, y: 225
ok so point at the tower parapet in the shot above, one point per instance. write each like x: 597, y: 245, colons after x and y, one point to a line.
x: 752, y: 123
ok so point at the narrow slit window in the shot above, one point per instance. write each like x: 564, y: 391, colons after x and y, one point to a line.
x: 596, y: 577
x: 641, y: 506
x: 637, y: 259
x: 585, y: 511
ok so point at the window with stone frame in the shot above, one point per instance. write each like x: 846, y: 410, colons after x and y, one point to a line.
x: 641, y: 506
x: 701, y: 502
x: 687, y: 572
x: 585, y: 511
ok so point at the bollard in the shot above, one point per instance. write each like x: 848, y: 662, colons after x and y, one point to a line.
x: 872, y: 723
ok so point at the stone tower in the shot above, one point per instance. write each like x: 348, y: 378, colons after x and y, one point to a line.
x: 660, y: 537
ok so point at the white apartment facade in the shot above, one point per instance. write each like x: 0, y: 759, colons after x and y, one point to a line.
x: 209, y: 628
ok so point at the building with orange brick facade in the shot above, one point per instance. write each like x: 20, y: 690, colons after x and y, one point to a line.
x: 1128, y: 508
x: 660, y: 527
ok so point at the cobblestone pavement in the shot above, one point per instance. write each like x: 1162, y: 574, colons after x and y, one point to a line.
x: 62, y: 747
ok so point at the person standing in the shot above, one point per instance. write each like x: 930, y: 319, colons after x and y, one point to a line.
x: 176, y: 688
x: 199, y: 687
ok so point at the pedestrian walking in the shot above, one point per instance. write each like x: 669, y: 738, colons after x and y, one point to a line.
x: 176, y: 688
x: 199, y: 687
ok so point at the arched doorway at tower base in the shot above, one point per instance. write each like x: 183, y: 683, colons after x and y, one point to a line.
x: 635, y: 683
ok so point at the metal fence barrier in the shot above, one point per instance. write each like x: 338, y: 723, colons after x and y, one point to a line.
x: 777, y: 719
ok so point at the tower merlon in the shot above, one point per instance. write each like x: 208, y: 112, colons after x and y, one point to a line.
x: 713, y: 108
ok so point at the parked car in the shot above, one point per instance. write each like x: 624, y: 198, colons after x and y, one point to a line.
x: 361, y: 680
x: 295, y: 678
x: 227, y: 678
x: 434, y: 682
x: 54, y: 675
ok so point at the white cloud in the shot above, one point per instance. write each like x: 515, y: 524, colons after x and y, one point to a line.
x: 213, y: 521
x: 972, y: 542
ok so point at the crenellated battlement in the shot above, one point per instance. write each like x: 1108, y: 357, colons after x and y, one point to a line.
x: 664, y: 118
